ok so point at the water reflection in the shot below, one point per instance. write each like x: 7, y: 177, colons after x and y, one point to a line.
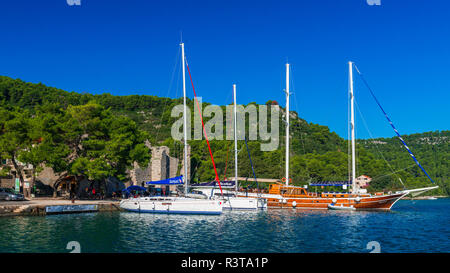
x: 424, y: 229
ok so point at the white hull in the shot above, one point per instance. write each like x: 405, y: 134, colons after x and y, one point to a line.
x: 232, y: 202
x: 172, y: 205
x: 242, y: 203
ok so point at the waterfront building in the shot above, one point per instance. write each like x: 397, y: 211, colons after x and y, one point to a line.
x: 363, y: 181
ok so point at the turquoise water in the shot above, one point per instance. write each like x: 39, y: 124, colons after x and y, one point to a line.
x: 412, y: 226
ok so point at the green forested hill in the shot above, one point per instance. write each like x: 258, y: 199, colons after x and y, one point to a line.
x: 430, y: 148
x: 316, y: 153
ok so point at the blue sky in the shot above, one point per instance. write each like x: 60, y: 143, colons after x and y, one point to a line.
x: 130, y: 47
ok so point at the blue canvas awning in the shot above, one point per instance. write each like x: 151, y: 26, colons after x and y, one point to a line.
x: 214, y: 184
x: 178, y: 180
x: 331, y: 183
x: 134, y: 188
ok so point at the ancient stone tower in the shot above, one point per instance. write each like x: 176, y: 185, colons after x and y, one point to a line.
x: 161, y: 166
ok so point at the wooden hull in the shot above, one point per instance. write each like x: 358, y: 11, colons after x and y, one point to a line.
x: 381, y: 202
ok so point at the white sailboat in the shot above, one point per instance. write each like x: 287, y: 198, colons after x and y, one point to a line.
x: 177, y: 205
x: 172, y: 205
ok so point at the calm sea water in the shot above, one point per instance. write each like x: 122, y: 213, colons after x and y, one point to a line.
x: 412, y: 226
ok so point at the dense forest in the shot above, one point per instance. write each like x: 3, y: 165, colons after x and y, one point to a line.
x: 316, y: 153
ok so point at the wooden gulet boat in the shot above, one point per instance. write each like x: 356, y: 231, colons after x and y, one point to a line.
x: 289, y: 196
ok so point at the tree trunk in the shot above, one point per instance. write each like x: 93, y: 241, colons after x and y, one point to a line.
x: 33, y: 181
x: 55, y: 187
x: 18, y: 169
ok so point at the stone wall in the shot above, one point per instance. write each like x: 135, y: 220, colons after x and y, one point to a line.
x: 160, y: 167
x: 7, y: 181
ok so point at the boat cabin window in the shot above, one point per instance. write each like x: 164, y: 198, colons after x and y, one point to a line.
x: 225, y: 194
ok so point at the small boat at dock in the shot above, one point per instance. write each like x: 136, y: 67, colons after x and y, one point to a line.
x: 333, y: 206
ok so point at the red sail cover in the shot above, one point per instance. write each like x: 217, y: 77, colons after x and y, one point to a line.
x: 204, y: 131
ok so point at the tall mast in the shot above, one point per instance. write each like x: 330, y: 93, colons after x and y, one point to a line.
x: 186, y: 182
x: 235, y: 140
x: 287, y: 124
x: 352, y: 125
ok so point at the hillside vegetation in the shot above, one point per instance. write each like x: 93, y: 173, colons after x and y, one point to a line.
x: 316, y: 153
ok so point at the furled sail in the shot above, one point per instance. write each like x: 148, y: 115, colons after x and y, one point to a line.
x: 178, y: 180
x: 214, y: 184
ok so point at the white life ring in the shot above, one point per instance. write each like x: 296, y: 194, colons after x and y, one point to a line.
x: 334, y: 200
x: 357, y: 199
x: 294, y: 204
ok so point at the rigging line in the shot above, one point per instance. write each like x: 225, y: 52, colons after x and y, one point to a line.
x: 251, y: 163
x: 297, y: 110
x: 356, y: 150
x: 242, y: 148
x: 370, y: 133
x: 167, y: 95
x: 228, y: 130
x: 226, y: 162
x: 378, y: 149
x: 394, y: 172
x: 204, y: 130
x: 392, y: 124
x: 230, y: 95
x: 228, y: 143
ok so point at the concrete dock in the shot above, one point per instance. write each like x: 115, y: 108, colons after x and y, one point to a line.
x: 44, y: 206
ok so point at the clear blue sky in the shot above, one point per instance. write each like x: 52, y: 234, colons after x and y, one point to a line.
x: 130, y: 47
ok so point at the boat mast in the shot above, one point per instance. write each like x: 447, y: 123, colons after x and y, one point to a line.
x: 287, y: 124
x: 235, y: 140
x: 186, y: 182
x: 352, y: 125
